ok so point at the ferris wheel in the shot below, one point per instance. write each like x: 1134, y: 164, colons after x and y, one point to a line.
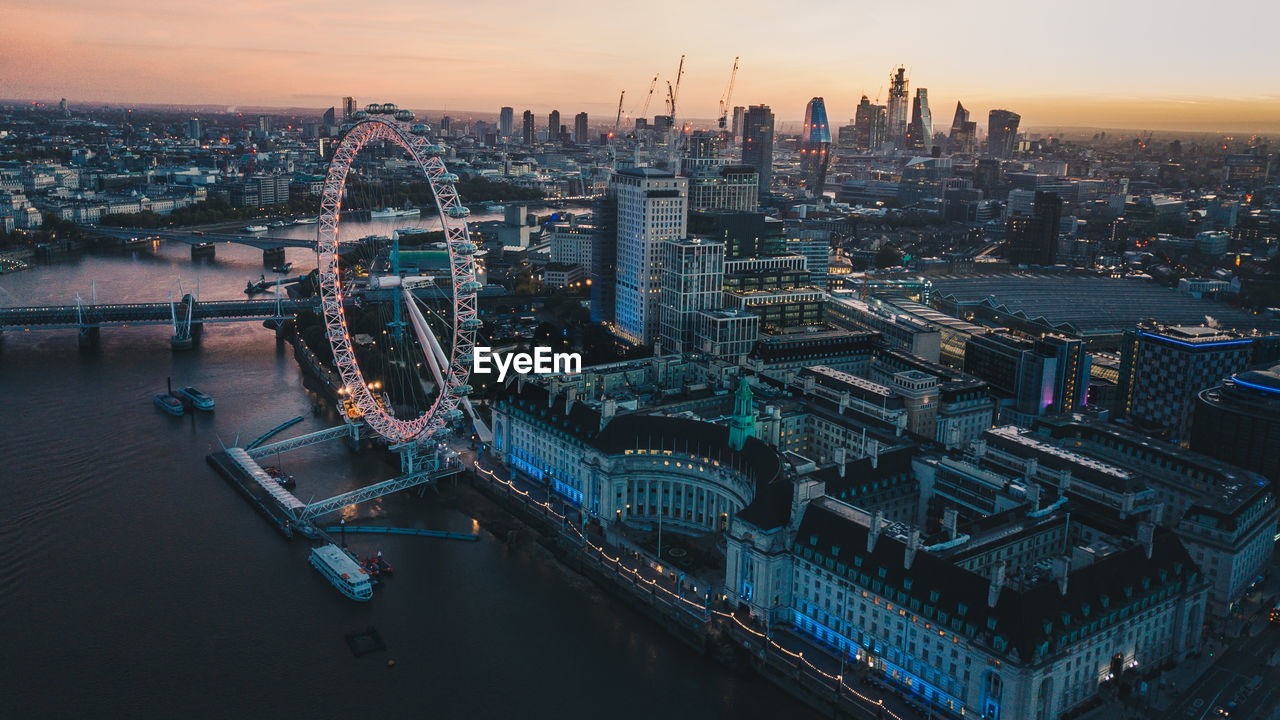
x: 449, y: 362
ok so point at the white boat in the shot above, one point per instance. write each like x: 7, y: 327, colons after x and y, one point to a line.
x: 383, y: 213
x: 254, y: 228
x: 343, y: 571
x: 306, y: 221
x: 276, y: 224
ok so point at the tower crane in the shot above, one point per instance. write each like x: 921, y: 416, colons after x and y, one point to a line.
x: 727, y: 98
x: 644, y: 110
x: 673, y: 93
x: 618, y: 120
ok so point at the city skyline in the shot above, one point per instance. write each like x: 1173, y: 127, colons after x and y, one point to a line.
x: 277, y: 57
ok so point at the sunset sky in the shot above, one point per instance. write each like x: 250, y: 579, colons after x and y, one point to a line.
x: 1118, y: 63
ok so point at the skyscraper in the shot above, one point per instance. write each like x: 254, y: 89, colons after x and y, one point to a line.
x: 815, y: 146
x: 692, y: 280
x: 757, y: 143
x: 329, y: 119
x: 1033, y: 239
x: 506, y: 122
x: 920, y: 130
x: 896, y: 123
x: 1002, y: 133
x: 526, y: 136
x: 580, y: 129
x: 963, y: 132
x: 870, y: 120
x: 193, y: 128
x: 553, y: 126
x: 739, y: 113
x: 652, y: 208
x: 348, y: 108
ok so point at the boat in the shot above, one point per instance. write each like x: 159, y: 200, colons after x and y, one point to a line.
x: 198, y: 400
x: 276, y: 224
x: 306, y: 221
x: 254, y: 228
x: 169, y: 404
x: 342, y: 571
x: 383, y: 213
x: 286, y: 480
x: 282, y: 268
x: 382, y: 564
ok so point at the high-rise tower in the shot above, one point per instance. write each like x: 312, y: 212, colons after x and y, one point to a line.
x: 580, y: 129
x: 896, y: 123
x: 553, y: 126
x: 1002, y: 133
x: 757, y: 143
x: 920, y: 130
x: 652, y: 208
x: 869, y: 121
x: 506, y: 122
x: 963, y: 132
x: 526, y: 135
x: 348, y: 108
x: 815, y: 146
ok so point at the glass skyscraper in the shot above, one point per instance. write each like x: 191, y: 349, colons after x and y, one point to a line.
x: 815, y: 146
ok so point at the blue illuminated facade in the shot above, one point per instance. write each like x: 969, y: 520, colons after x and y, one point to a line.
x: 815, y: 146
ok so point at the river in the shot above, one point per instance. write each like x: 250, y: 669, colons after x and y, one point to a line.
x: 135, y: 583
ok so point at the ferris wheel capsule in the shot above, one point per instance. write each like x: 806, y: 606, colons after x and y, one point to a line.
x: 465, y: 248
x: 373, y: 108
x: 455, y: 414
x: 360, y: 115
x: 420, y: 129
x: 458, y: 211
x: 434, y: 150
x: 346, y: 127
x: 447, y: 178
x: 388, y: 108
x: 404, y: 115
x: 461, y: 390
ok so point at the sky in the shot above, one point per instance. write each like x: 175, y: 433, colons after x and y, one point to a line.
x: 1091, y: 63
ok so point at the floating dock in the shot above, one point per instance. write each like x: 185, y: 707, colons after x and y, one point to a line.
x: 466, y: 537
x: 240, y: 471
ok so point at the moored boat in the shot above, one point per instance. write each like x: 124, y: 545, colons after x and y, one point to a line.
x: 254, y: 228
x: 169, y: 404
x: 199, y: 400
x: 342, y: 571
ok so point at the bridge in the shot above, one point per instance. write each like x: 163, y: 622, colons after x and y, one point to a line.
x: 187, y: 316
x: 203, y: 244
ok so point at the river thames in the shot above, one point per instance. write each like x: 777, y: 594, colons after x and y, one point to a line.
x: 134, y: 582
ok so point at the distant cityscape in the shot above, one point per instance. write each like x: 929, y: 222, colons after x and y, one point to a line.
x: 975, y: 421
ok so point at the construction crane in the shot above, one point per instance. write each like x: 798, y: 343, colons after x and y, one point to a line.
x: 727, y: 98
x: 673, y: 92
x: 644, y: 110
x: 617, y: 121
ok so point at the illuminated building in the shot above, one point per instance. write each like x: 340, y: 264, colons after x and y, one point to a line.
x: 920, y: 131
x: 506, y: 122
x: 815, y: 146
x: 652, y: 208
x: 870, y: 122
x: 757, y: 143
x: 1239, y: 420
x: 1002, y: 133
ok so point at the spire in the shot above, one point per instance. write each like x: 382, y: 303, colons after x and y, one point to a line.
x: 743, y: 423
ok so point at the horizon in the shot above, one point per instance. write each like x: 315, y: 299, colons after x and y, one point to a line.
x: 1102, y: 74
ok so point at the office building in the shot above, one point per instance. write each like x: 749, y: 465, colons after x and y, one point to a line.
x: 1033, y: 239
x: 725, y: 334
x: 604, y: 256
x: 348, y: 108
x: 1163, y: 368
x: 580, y: 132
x: 1238, y: 421
x: 815, y: 247
x: 1031, y: 377
x: 527, y: 129
x: 919, y: 137
x: 1002, y: 133
x: 744, y: 234
x: 739, y: 115
x: 896, y: 124
x: 870, y: 122
x: 815, y: 147
x: 692, y: 281
x: 652, y: 208
x: 964, y: 132
x: 757, y: 143
x: 506, y: 122
x: 193, y: 129
x: 553, y: 126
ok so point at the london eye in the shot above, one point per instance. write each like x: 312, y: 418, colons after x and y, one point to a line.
x: 402, y: 340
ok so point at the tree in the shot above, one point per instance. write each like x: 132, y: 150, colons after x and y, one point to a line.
x: 888, y: 256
